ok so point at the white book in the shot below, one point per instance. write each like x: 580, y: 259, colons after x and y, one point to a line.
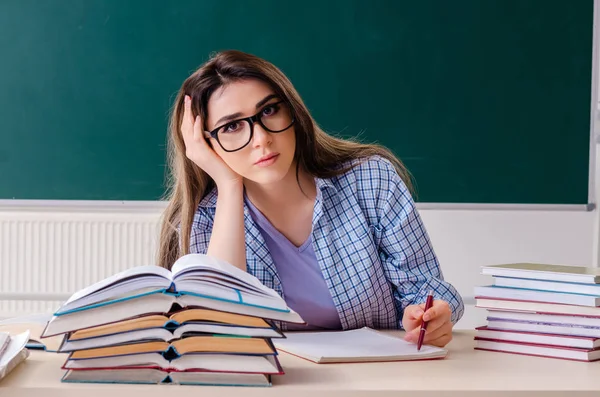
x: 359, y: 345
x: 537, y: 338
x: 194, y: 274
x: 543, y: 285
x: 569, y: 353
x: 539, y: 271
x: 14, y: 353
x: 4, y: 341
x: 536, y: 307
x: 593, y: 332
x: 195, y: 281
x: 491, y: 291
x: 556, y: 319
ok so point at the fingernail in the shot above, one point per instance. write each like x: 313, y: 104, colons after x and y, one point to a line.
x: 187, y: 98
x: 419, y: 313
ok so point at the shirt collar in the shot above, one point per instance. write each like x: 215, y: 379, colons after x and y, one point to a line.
x: 210, y: 200
x: 323, y: 183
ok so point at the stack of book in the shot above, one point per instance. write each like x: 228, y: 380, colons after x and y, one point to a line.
x: 541, y: 310
x: 205, y: 322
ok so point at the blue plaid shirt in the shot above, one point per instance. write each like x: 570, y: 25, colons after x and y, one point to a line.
x: 370, y: 242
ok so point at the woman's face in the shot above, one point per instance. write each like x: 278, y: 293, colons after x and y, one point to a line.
x: 247, y: 98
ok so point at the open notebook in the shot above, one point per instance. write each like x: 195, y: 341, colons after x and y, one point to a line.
x: 359, y: 345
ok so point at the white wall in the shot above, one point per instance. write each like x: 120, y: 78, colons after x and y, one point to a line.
x: 464, y: 240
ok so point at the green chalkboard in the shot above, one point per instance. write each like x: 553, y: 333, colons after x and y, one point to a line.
x: 485, y: 101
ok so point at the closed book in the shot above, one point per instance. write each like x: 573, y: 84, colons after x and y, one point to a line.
x: 491, y: 291
x: 556, y: 319
x: 531, y: 349
x: 531, y: 326
x: 536, y: 307
x: 540, y: 271
x: 538, y: 338
x: 543, y: 285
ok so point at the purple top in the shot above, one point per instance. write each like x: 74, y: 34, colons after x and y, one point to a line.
x: 304, y: 287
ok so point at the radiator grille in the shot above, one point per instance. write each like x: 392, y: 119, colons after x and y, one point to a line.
x: 45, y: 257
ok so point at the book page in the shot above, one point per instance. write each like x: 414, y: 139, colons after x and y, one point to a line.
x: 213, y: 277
x: 136, y: 272
x: 546, y: 268
x: 363, y: 344
x: 16, y: 344
x: 199, y: 262
x: 4, y: 340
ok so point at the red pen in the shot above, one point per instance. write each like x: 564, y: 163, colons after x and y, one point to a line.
x: 428, y: 305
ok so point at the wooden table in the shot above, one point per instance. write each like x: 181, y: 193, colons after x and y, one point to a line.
x: 464, y: 372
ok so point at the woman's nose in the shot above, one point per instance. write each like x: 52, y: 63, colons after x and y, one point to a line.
x: 261, y: 136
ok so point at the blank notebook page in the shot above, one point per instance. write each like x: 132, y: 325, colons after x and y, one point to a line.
x: 363, y: 344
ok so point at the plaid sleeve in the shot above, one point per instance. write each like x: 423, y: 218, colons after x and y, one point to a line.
x: 201, y: 230
x: 409, y: 261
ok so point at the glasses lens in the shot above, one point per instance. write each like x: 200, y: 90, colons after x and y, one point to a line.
x: 276, y: 117
x: 234, y: 135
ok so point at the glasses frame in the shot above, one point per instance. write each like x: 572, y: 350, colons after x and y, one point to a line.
x: 251, y: 120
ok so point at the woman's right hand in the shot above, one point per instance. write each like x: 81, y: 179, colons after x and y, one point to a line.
x: 198, y: 150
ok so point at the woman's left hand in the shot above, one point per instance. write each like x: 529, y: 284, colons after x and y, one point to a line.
x: 439, y: 327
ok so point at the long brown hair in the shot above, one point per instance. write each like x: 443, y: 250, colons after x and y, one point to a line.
x: 317, y: 153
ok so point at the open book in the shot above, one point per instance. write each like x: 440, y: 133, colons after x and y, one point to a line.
x: 13, y: 351
x: 195, y: 280
x: 222, y: 360
x: 157, y: 376
x: 195, y: 274
x: 267, y: 364
x: 178, y: 325
x: 192, y: 345
x: 359, y: 345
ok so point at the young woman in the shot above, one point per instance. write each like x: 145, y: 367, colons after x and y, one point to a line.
x: 329, y: 224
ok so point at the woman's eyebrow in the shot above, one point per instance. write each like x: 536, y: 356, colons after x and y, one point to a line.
x: 265, y: 100
x: 229, y: 117
x: 234, y: 116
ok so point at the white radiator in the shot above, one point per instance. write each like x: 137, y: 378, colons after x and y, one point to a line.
x: 46, y: 254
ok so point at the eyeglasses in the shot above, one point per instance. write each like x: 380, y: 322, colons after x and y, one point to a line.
x: 235, y: 135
